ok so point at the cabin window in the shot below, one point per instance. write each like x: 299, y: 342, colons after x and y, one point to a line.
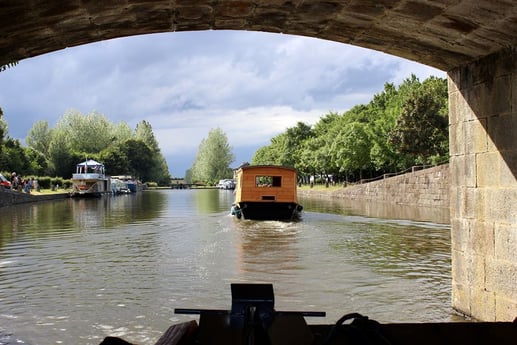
x: 268, y: 181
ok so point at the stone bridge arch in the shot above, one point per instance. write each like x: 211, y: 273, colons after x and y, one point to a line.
x: 473, y: 40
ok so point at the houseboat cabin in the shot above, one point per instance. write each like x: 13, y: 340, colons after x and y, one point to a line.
x: 266, y: 192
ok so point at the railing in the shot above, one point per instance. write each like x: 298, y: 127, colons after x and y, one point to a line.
x: 88, y: 176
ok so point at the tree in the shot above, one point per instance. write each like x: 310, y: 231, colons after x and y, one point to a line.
x: 160, y: 170
x: 286, y: 148
x: 88, y: 134
x: 39, y: 137
x: 264, y: 156
x: 294, y: 137
x: 115, y: 160
x: 144, y: 132
x: 351, y: 149
x: 13, y: 157
x: 3, y: 127
x: 140, y: 158
x: 60, y: 155
x: 213, y: 158
x: 377, y: 137
x: 422, y: 128
x: 121, y: 132
x: 56, y: 151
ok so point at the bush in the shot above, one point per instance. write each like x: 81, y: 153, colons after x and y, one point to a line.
x: 44, y: 182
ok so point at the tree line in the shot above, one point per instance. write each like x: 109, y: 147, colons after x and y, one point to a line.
x: 76, y: 137
x: 400, y: 127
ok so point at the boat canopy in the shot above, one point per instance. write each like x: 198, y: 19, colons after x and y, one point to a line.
x: 90, y: 162
x: 90, y: 166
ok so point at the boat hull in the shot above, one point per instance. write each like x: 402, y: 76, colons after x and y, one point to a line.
x: 86, y: 186
x: 267, y: 210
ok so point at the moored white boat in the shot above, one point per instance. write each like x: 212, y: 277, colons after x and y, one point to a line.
x: 90, y: 179
x: 133, y: 185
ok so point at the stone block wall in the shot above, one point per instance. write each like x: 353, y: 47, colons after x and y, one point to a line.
x: 422, y: 188
x: 483, y: 148
x: 9, y: 197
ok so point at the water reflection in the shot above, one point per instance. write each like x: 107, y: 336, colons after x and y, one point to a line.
x: 78, y: 214
x: 268, y: 247
x: 213, y: 200
x: 376, y: 209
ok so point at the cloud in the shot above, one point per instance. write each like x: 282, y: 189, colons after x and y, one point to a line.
x: 251, y: 85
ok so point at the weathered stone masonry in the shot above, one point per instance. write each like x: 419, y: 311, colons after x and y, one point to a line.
x: 483, y: 147
x: 422, y: 188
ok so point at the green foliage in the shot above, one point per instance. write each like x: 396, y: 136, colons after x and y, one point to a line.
x: 61, y: 159
x: 39, y: 137
x: 89, y: 133
x: 285, y: 148
x: 140, y: 158
x: 3, y: 127
x: 188, y: 176
x: 44, y: 182
x: 160, y: 170
x: 38, y: 164
x: 116, y: 159
x: 213, y: 159
x: 13, y: 156
x: 421, y: 128
x: 400, y: 127
x: 76, y: 137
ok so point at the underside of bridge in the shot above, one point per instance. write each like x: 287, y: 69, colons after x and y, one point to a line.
x: 473, y: 40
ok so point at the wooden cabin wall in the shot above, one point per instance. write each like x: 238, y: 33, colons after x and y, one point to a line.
x: 250, y: 192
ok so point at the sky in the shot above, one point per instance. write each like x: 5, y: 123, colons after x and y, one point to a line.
x: 251, y: 85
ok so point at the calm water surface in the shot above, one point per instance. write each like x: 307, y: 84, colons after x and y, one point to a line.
x: 77, y: 270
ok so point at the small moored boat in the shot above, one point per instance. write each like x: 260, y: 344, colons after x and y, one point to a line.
x: 133, y: 185
x: 266, y: 192
x: 90, y: 179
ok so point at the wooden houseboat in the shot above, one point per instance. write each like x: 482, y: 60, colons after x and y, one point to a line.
x: 90, y: 179
x: 266, y: 192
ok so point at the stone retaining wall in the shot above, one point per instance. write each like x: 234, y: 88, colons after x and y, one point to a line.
x: 422, y: 188
x: 9, y: 197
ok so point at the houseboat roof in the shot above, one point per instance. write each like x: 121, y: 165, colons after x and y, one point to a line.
x: 248, y: 167
x: 90, y: 162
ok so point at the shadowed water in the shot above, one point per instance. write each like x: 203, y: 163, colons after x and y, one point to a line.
x: 77, y: 270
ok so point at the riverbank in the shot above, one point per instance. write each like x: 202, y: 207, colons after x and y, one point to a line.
x: 9, y: 197
x: 421, y: 195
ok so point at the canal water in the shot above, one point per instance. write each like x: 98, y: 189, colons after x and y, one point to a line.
x: 76, y: 270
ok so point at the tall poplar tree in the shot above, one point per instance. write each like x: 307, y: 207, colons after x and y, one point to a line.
x: 213, y: 158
